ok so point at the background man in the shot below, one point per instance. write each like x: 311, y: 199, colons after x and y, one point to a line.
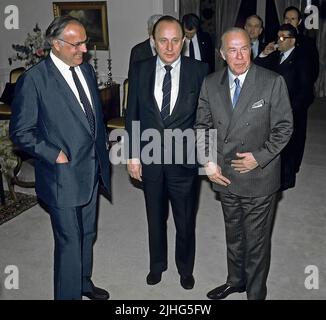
x: 250, y: 110
x: 198, y: 44
x: 288, y: 62
x: 254, y: 27
x: 145, y: 49
x: 57, y: 118
x: 163, y: 94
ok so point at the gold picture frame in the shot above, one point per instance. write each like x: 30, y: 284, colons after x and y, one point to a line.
x: 93, y: 15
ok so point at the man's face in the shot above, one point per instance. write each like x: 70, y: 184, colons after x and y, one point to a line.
x: 292, y: 18
x: 284, y: 42
x: 236, y: 52
x: 253, y: 27
x: 190, y: 33
x: 71, y: 47
x: 168, y: 41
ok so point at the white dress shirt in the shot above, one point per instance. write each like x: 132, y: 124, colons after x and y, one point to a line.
x: 196, y: 47
x: 232, y: 85
x: 67, y: 75
x: 286, y: 54
x: 175, y: 76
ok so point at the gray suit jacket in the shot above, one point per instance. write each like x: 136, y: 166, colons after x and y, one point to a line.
x: 261, y: 123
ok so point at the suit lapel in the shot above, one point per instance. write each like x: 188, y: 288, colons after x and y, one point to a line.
x: 247, y: 90
x: 72, y: 102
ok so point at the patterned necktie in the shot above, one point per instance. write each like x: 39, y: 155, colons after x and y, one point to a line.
x: 84, y: 100
x: 166, y: 89
x: 191, y: 50
x: 236, y: 92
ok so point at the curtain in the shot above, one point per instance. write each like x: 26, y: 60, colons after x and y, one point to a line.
x: 226, y: 15
x: 320, y: 85
x: 281, y: 5
x: 189, y: 6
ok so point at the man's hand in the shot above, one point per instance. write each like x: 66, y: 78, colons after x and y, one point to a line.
x: 62, y: 158
x: 245, y: 164
x: 269, y: 48
x: 214, y: 174
x: 134, y: 169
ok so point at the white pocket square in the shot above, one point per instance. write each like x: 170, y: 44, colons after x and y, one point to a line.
x: 258, y: 104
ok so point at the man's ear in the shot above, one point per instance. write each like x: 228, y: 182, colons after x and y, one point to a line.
x: 222, y: 54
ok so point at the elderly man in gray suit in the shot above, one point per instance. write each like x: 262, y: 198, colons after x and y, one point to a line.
x: 249, y: 108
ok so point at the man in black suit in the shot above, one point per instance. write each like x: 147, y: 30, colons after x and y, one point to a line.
x: 288, y: 61
x: 254, y: 27
x: 145, y: 49
x: 162, y: 101
x: 198, y: 44
x: 306, y: 45
x: 249, y: 108
x: 57, y: 118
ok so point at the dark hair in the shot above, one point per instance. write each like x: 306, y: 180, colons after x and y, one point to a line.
x: 57, y: 26
x: 289, y: 27
x: 292, y: 8
x: 167, y: 19
x: 257, y: 17
x: 190, y: 21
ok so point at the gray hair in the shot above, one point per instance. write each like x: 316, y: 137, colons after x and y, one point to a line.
x: 57, y: 26
x: 233, y: 30
x: 151, y: 21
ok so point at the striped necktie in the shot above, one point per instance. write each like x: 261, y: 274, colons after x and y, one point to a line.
x: 166, y: 89
x: 236, y: 92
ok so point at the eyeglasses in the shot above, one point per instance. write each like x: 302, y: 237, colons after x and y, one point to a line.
x: 77, y: 44
x: 233, y: 51
x: 282, y: 39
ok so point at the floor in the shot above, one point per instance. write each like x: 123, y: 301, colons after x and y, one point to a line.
x: 298, y: 265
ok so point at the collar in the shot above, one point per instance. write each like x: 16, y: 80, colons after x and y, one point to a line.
x: 241, y: 77
x: 287, y: 53
x: 58, y: 62
x: 161, y: 64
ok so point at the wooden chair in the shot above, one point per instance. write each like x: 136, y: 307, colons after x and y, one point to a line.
x: 11, y: 158
x: 119, y: 122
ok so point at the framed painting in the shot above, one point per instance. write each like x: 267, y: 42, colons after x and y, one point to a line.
x: 92, y: 14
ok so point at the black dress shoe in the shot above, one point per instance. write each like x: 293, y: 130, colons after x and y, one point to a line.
x: 153, y: 278
x: 97, y: 294
x: 187, y: 282
x: 223, y: 291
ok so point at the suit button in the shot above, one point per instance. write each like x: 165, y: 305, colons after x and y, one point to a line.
x: 247, y: 124
x: 226, y: 141
x: 242, y: 143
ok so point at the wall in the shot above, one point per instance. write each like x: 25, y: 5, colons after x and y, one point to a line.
x: 127, y: 21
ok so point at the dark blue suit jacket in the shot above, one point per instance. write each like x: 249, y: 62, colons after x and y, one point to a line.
x: 47, y: 118
x: 142, y: 107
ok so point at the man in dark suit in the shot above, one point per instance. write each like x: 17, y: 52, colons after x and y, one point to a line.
x: 57, y: 118
x: 306, y: 46
x: 254, y: 27
x: 145, y: 49
x: 162, y: 100
x: 295, y: 69
x: 249, y: 109
x: 198, y: 44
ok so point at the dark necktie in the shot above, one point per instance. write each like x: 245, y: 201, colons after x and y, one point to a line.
x: 236, y: 92
x: 191, y: 50
x: 166, y: 89
x: 281, y: 57
x: 84, y: 100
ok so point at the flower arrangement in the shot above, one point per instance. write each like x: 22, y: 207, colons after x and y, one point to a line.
x: 33, y: 49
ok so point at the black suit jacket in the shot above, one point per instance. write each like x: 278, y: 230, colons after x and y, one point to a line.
x: 140, y: 51
x: 297, y: 73
x: 142, y: 107
x: 47, y: 118
x: 206, y: 49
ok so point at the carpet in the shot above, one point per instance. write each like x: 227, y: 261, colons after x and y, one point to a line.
x: 13, y: 208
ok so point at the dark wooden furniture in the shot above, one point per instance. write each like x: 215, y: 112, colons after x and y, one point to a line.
x: 110, y: 98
